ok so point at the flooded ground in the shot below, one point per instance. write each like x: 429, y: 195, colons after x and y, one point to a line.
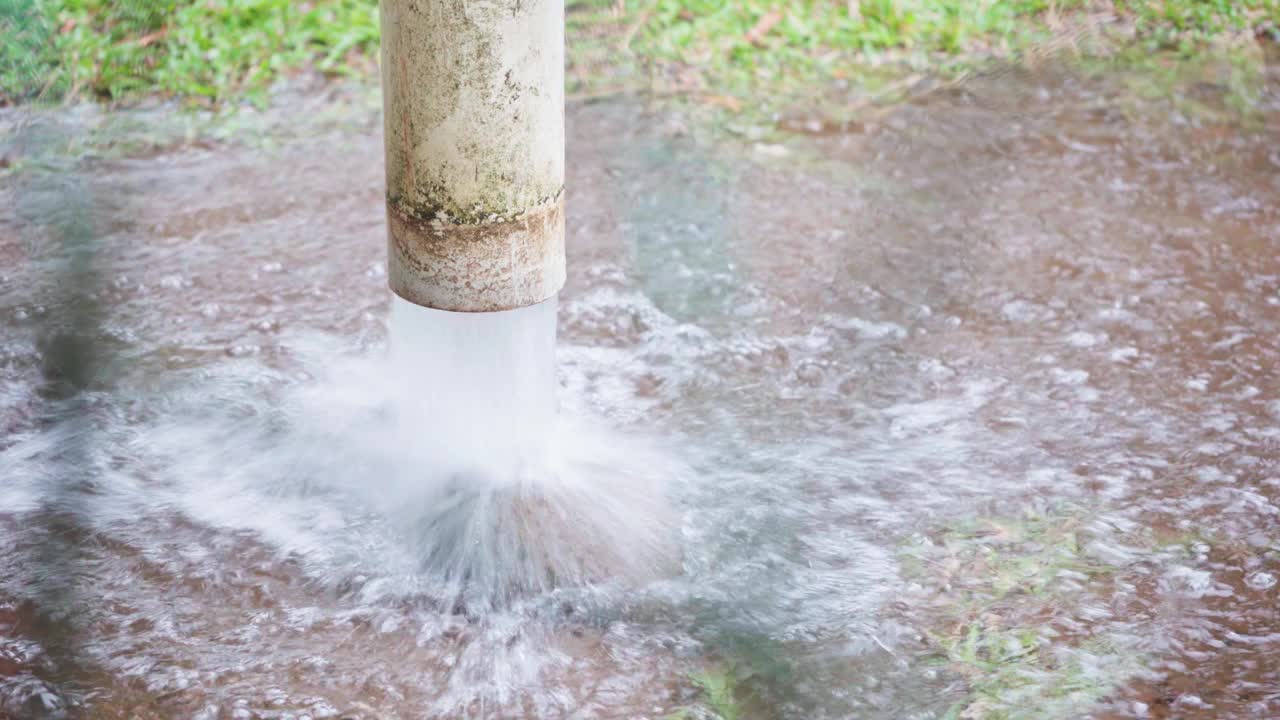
x: 969, y: 412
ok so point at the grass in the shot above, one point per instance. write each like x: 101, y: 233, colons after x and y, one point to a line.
x: 732, y: 53
x: 741, y: 54
x: 1183, y: 24
x: 203, y: 50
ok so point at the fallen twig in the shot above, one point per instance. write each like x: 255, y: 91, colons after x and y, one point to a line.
x: 756, y: 34
x: 636, y: 25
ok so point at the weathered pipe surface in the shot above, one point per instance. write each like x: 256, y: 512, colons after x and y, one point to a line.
x: 473, y: 94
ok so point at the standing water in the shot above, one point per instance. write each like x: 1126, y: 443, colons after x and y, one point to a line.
x: 978, y: 403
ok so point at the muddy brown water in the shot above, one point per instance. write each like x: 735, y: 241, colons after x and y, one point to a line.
x: 980, y: 406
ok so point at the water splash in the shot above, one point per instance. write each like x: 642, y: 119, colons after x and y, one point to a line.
x: 499, y: 507
x: 439, y: 472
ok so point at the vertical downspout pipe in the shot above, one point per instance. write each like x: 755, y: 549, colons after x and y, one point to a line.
x: 473, y: 100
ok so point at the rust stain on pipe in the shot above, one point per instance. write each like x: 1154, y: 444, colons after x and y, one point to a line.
x: 482, y: 267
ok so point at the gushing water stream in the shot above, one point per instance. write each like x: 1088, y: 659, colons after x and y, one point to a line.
x: 478, y: 390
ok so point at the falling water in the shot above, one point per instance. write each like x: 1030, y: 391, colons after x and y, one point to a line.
x: 478, y: 389
x: 497, y: 508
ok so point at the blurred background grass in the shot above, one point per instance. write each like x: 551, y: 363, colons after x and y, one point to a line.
x: 212, y: 52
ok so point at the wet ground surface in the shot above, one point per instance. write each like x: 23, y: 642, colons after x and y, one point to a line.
x: 971, y: 412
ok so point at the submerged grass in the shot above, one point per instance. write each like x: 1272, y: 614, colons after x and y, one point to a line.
x: 1214, y: 86
x: 997, y: 589
x: 735, y: 53
x: 719, y: 687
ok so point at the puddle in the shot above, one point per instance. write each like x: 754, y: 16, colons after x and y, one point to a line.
x: 974, y: 411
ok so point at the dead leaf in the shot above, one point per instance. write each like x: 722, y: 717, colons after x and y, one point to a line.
x: 728, y: 102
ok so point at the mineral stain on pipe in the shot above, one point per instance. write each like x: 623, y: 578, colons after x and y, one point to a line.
x: 473, y: 94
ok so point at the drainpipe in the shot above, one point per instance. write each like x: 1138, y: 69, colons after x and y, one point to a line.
x: 473, y: 99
